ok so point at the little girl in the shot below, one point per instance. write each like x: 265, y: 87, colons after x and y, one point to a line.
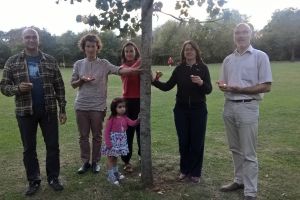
x: 115, y: 140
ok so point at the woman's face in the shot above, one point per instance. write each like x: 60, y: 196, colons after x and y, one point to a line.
x: 129, y: 53
x: 189, y: 52
x: 90, y: 49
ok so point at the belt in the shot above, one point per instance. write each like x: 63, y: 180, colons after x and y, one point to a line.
x: 241, y: 100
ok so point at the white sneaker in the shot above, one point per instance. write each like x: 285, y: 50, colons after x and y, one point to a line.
x: 113, y: 180
x: 119, y: 176
x: 116, y: 183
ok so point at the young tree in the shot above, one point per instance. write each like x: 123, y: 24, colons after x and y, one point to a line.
x: 124, y: 16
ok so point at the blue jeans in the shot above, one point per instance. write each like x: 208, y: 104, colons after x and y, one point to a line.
x: 190, y: 124
x: 28, y: 128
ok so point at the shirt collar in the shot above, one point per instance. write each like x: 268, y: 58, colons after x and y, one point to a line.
x: 23, y: 55
x: 249, y: 49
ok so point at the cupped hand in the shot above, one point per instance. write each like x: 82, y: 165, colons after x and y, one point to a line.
x: 87, y: 78
x: 197, y: 80
x: 25, y: 87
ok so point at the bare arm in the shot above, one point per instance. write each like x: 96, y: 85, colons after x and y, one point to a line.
x: 129, y: 70
x: 259, y: 88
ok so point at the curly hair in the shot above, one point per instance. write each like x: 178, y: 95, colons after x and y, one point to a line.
x: 89, y: 38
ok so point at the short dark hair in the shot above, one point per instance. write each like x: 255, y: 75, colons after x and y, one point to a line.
x: 114, y: 104
x: 90, y: 38
x: 197, y: 49
x: 137, y: 52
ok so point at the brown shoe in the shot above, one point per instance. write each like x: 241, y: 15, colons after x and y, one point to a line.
x: 231, y: 187
x: 128, y: 168
x: 249, y: 198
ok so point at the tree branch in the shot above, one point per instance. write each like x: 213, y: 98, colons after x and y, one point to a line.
x: 184, y: 20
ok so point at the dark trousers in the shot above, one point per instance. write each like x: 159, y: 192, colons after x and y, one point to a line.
x: 133, y: 109
x: 28, y: 129
x: 191, y: 126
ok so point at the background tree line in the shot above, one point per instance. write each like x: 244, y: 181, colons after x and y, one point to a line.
x: 280, y: 38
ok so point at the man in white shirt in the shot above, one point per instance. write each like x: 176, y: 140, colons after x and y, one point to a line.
x: 245, y: 76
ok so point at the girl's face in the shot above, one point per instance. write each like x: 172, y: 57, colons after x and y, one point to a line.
x: 129, y: 53
x: 90, y: 49
x: 121, y: 108
x: 189, y: 52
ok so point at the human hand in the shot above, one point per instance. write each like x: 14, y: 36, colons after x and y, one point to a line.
x: 226, y: 88
x: 25, y: 87
x: 197, y: 80
x: 158, y: 74
x: 139, y: 118
x: 62, y: 118
x: 222, y: 85
x: 87, y: 78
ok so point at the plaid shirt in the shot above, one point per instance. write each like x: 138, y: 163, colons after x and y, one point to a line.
x: 16, y: 71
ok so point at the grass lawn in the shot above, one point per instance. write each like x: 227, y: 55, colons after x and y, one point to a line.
x: 278, y: 148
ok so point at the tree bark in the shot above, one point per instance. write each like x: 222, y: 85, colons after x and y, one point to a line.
x: 145, y: 88
x: 293, y: 53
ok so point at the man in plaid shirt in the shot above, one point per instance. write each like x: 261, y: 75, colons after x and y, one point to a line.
x: 33, y: 77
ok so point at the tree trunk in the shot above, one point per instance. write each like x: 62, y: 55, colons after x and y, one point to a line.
x: 146, y: 77
x: 293, y: 53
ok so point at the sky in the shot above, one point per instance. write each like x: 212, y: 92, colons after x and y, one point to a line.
x: 57, y: 19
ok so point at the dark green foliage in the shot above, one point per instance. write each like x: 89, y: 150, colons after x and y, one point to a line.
x: 281, y: 36
x: 124, y: 16
x: 5, y: 53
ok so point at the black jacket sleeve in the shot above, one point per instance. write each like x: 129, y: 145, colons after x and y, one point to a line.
x: 206, y: 88
x: 167, y: 85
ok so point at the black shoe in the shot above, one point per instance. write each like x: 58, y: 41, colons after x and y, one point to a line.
x: 95, y: 167
x: 55, y: 184
x: 32, y: 188
x: 84, y: 168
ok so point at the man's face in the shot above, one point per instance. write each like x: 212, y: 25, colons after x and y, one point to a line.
x: 242, y: 36
x: 91, y: 49
x: 30, y: 39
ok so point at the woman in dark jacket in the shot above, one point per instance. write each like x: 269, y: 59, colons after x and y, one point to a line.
x: 190, y: 112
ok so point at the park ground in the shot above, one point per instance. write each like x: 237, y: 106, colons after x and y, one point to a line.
x: 278, y: 148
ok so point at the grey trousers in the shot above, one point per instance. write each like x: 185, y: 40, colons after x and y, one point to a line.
x: 90, y: 121
x: 241, y: 124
